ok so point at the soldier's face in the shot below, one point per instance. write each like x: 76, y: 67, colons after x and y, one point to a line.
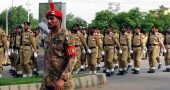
x: 137, y: 30
x: 168, y: 30
x: 154, y: 29
x: 26, y: 26
x: 53, y: 22
x: 108, y: 30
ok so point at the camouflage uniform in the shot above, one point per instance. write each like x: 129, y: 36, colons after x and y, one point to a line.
x: 57, y: 64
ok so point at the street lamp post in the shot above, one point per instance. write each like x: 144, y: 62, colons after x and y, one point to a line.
x: 28, y: 10
x: 7, y: 21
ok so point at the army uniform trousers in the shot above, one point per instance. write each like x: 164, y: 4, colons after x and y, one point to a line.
x: 1, y: 58
x: 25, y: 59
x: 137, y: 55
x: 167, y: 55
x: 92, y: 58
x: 123, y: 57
x: 109, y: 54
x: 153, y: 54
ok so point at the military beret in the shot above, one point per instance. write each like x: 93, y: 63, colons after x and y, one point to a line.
x: 54, y: 11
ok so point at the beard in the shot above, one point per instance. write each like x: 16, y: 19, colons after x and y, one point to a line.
x: 52, y: 27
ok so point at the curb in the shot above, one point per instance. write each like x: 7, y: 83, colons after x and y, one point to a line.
x: 81, y: 82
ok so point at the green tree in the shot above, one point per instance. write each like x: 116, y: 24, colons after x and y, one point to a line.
x: 16, y: 16
x: 71, y: 20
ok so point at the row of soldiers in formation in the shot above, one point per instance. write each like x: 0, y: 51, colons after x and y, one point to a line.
x: 21, y: 46
x: 117, y: 50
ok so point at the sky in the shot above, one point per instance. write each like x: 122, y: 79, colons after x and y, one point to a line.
x: 86, y: 9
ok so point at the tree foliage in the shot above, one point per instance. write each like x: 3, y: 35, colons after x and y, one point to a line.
x: 16, y: 16
x: 132, y: 18
x: 71, y: 20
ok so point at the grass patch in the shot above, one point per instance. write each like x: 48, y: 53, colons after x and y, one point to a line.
x: 28, y: 80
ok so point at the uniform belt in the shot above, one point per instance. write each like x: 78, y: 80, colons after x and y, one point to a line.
x: 136, y: 45
x: 153, y: 44
x: 92, y: 47
x: 123, y: 44
x: 108, y: 45
x: 27, y: 45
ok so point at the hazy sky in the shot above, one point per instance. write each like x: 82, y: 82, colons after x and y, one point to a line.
x: 86, y: 9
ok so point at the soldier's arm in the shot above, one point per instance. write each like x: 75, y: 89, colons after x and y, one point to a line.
x: 99, y: 42
x: 116, y: 40
x: 128, y: 38
x: 33, y: 41
x: 5, y: 41
x: 161, y: 42
x: 143, y: 42
x: 83, y: 40
x: 66, y: 73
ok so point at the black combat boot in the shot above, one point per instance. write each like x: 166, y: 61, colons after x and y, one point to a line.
x: 120, y: 73
x: 166, y: 70
x: 151, y: 71
x: 135, y: 72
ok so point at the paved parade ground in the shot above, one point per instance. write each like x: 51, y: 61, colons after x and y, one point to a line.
x: 144, y: 81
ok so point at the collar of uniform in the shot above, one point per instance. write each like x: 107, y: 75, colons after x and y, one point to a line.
x: 137, y: 33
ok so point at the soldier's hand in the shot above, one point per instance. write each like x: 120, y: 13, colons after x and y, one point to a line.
x: 83, y: 51
x: 103, y: 53
x: 59, y: 84
x: 120, y: 51
x: 164, y: 50
x: 88, y: 50
x: 131, y: 51
x: 35, y: 54
x: 9, y: 52
x: 143, y: 51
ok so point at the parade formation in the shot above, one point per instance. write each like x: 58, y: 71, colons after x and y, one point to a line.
x: 82, y: 49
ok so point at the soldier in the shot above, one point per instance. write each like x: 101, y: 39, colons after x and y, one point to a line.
x: 130, y: 56
x: 11, y: 45
x: 60, y: 54
x: 28, y: 47
x: 16, y: 55
x: 160, y: 51
x: 154, y: 39
x: 125, y: 43
x: 83, y: 60
x: 109, y: 41
x: 99, y: 56
x: 167, y: 46
x: 138, y: 46
x: 3, y: 47
x: 115, y: 57
x: 79, y: 43
x: 94, y: 43
x: 34, y: 59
